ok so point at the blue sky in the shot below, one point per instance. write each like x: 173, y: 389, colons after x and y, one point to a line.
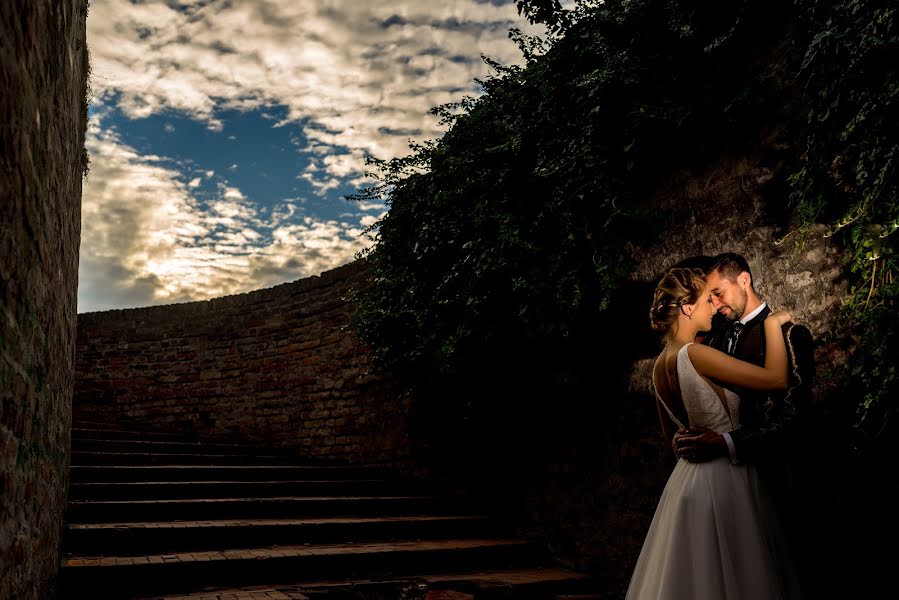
x: 224, y: 135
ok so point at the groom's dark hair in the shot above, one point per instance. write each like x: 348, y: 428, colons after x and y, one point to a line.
x: 696, y: 262
x: 730, y: 265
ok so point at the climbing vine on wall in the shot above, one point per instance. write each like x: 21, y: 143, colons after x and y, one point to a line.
x: 847, y: 177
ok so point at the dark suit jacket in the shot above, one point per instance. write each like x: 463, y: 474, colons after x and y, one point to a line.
x: 770, y: 422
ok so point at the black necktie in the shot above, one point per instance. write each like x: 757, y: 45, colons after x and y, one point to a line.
x: 733, y: 335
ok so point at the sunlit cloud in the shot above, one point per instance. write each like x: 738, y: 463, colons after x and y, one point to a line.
x: 147, y: 240
x: 360, y: 76
x: 347, y: 79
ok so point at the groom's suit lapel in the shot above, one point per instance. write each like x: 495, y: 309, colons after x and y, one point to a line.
x: 751, y: 348
x: 751, y: 343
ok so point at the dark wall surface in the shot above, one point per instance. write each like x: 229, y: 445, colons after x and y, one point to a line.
x: 593, y: 493
x: 43, y: 75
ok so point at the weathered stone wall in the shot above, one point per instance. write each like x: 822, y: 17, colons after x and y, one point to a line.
x: 43, y: 74
x: 592, y: 496
x: 277, y: 366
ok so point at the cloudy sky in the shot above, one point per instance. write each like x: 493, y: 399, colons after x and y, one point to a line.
x: 224, y: 134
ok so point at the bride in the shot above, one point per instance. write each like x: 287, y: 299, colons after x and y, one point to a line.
x: 714, y: 535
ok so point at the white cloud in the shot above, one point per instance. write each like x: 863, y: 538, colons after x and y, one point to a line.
x: 146, y: 240
x: 355, y: 77
x: 359, y: 76
x: 368, y: 220
x: 232, y: 193
x: 371, y: 206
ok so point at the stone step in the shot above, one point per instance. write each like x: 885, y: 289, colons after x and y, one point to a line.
x: 535, y: 583
x: 109, y: 511
x: 80, y: 423
x: 83, y: 457
x: 144, y: 446
x: 91, y: 431
x: 130, y: 539
x: 147, y: 473
x: 128, y: 576
x: 174, y: 490
x: 158, y: 513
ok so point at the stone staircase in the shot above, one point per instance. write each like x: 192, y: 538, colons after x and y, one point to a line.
x: 153, y: 515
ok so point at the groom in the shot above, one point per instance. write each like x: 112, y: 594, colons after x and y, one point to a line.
x: 768, y: 421
x: 770, y: 433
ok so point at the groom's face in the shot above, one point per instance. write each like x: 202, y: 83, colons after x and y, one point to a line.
x: 728, y: 298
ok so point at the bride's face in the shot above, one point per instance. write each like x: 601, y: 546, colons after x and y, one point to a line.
x: 704, y: 310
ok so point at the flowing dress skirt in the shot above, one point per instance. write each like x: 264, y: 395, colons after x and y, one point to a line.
x: 714, y: 536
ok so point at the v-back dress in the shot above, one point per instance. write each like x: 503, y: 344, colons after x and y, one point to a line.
x: 714, y: 535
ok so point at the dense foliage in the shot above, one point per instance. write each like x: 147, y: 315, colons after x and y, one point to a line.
x: 847, y: 178
x: 507, y: 239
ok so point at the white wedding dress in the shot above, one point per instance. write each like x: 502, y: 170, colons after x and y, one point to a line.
x: 714, y: 535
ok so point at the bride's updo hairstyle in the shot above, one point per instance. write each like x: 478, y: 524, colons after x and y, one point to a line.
x: 679, y: 286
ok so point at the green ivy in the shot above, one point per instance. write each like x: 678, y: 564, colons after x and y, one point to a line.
x: 847, y: 178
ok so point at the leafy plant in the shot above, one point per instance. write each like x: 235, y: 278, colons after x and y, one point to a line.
x: 847, y: 177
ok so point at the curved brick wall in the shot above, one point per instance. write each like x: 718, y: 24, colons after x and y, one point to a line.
x: 43, y: 74
x: 277, y: 366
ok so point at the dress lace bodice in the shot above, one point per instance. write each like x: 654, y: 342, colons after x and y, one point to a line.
x: 704, y: 407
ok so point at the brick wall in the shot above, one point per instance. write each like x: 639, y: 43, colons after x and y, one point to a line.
x: 43, y: 74
x: 277, y: 366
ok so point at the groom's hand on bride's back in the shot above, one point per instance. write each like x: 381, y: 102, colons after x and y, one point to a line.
x: 698, y: 444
